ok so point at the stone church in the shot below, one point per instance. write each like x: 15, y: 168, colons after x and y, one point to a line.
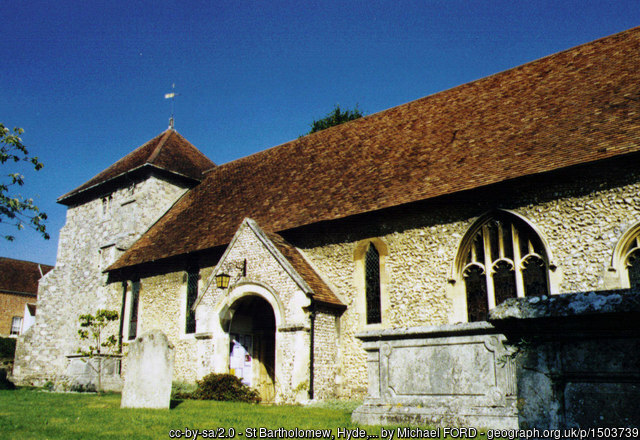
x: 420, y: 219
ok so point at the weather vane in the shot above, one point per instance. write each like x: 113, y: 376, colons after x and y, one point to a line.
x: 172, y: 97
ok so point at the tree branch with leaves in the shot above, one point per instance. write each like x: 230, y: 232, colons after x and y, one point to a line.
x: 93, y: 329
x: 335, y: 117
x: 15, y: 209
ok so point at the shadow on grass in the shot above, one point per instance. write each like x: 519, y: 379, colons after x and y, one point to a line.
x: 174, y: 403
x: 5, y: 384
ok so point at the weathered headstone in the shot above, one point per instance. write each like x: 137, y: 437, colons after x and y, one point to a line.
x: 147, y: 381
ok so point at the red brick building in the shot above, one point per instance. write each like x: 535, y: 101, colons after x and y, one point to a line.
x: 18, y: 289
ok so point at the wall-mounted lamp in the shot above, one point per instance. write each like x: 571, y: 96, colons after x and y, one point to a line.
x: 222, y: 279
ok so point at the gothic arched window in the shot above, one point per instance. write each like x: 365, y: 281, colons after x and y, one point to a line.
x: 371, y: 281
x: 630, y: 259
x: 502, y: 257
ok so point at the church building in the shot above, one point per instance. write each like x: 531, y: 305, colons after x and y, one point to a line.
x: 276, y: 266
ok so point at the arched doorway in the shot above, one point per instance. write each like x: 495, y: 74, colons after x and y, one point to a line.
x: 252, y: 344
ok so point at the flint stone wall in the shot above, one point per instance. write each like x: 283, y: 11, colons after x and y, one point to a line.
x: 147, y: 381
x: 165, y: 296
x: 581, y: 215
x: 327, y: 381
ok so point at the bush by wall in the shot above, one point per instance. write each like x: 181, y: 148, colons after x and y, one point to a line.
x: 7, y: 348
x: 224, y: 387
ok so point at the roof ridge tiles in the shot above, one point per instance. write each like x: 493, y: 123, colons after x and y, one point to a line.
x: 161, y: 144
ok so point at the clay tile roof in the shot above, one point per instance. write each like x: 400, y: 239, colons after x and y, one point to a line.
x: 320, y: 291
x: 18, y: 276
x: 168, y: 151
x: 577, y: 106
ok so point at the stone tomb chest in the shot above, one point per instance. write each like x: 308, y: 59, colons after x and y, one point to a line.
x: 450, y: 375
x: 556, y: 362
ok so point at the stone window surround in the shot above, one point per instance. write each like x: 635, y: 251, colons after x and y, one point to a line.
x: 183, y: 305
x: 456, y: 289
x: 617, y: 275
x: 126, y: 318
x: 105, y: 207
x: 108, y: 202
x: 360, y: 284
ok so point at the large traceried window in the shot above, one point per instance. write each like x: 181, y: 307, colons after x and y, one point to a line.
x: 502, y: 257
x: 633, y: 266
x: 627, y: 258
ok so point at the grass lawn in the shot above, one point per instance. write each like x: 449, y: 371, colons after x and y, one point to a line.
x: 34, y: 414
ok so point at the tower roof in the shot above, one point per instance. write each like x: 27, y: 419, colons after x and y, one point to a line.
x: 168, y: 152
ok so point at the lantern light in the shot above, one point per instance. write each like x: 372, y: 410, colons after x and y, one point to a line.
x: 222, y: 280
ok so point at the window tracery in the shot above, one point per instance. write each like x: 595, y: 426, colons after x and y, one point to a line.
x: 631, y: 260
x: 503, y: 258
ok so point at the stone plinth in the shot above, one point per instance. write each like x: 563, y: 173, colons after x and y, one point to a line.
x: 448, y: 375
x: 147, y: 382
x: 82, y: 373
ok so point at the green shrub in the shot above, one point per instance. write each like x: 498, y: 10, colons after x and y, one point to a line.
x: 83, y: 388
x: 182, y: 390
x: 7, y: 348
x: 225, y: 387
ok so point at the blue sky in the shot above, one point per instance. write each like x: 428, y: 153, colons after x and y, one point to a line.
x: 86, y: 79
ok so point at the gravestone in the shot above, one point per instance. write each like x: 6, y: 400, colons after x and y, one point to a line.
x: 147, y: 381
